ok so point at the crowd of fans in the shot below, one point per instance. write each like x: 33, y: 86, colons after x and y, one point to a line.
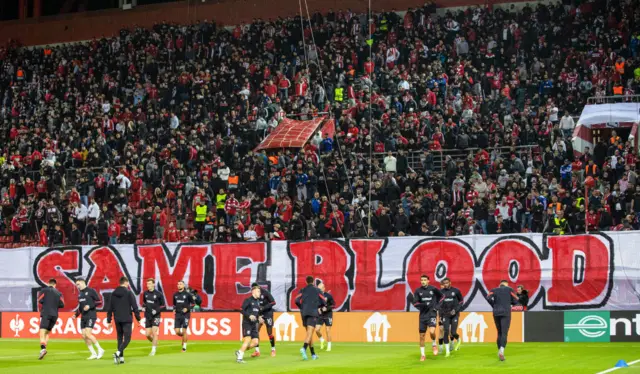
x: 148, y: 135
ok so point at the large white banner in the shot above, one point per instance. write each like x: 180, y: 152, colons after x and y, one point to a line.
x: 600, y: 271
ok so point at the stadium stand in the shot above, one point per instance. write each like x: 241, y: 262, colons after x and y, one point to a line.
x: 420, y: 125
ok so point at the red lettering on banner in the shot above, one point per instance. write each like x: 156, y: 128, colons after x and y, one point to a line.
x: 366, y: 295
x: 514, y: 261
x: 56, y: 264
x: 581, y: 270
x: 228, y: 275
x: 325, y: 260
x: 439, y: 259
x: 106, y: 270
x: 159, y: 264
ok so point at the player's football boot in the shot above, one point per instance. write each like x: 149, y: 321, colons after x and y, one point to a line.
x: 93, y: 357
x: 422, y: 358
x: 42, y: 354
x: 329, y: 348
x: 255, y: 354
x: 321, y: 344
x: 314, y: 357
x: 241, y: 361
x: 447, y: 353
x: 116, y: 358
x: 100, y: 353
x: 303, y: 352
x: 273, y: 352
x: 435, y: 350
x: 501, y: 356
x: 456, y: 347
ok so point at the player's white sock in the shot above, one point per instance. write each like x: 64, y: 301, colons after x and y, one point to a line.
x: 258, y: 349
x: 422, y: 351
x: 184, y: 345
x: 321, y: 340
x: 501, y: 350
x: 93, y: 351
x: 153, y: 349
x: 433, y: 343
x: 240, y: 355
x: 118, y: 353
x: 329, y: 346
x: 446, y: 347
x: 273, y: 349
x: 98, y: 346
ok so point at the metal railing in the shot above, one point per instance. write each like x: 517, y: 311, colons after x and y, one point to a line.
x: 458, y: 155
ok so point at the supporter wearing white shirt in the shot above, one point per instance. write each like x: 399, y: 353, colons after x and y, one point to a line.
x: 567, y: 124
x: 93, y: 212
x: 250, y: 235
x: 175, y: 122
x: 223, y: 171
x: 390, y: 163
x: 123, y: 183
x: 81, y: 212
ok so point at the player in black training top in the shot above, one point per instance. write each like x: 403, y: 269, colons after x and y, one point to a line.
x: 88, y: 302
x: 50, y: 300
x: 309, y: 300
x: 182, y: 304
x: 121, y: 305
x: 426, y: 299
x: 267, y: 302
x: 449, y: 308
x: 501, y: 299
x: 250, y: 319
x: 152, y: 304
x: 326, y: 318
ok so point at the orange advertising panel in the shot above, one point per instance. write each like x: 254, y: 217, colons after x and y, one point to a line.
x: 380, y: 327
x: 202, y: 326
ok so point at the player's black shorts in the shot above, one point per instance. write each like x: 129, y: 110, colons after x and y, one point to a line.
x: 326, y: 320
x: 309, y: 321
x: 429, y: 320
x: 87, y: 321
x: 152, y: 321
x: 452, y: 319
x: 181, y: 321
x: 249, y: 329
x: 268, y: 319
x: 47, y: 322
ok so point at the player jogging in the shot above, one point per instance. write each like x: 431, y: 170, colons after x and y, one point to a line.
x: 182, y: 304
x: 50, y: 300
x: 449, y: 309
x: 152, y: 304
x: 122, y: 304
x: 267, y: 302
x: 250, y: 319
x: 309, y: 300
x: 326, y: 318
x: 88, y: 302
x: 426, y: 299
x: 501, y: 299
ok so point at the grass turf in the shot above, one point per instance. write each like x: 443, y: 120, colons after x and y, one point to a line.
x: 69, y: 357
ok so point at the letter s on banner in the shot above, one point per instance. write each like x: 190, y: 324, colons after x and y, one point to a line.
x: 582, y: 271
x: 62, y: 264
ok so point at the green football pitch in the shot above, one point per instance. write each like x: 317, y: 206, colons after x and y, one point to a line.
x: 69, y: 357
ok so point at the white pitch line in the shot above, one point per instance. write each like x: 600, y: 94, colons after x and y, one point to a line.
x: 614, y: 369
x: 86, y: 351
